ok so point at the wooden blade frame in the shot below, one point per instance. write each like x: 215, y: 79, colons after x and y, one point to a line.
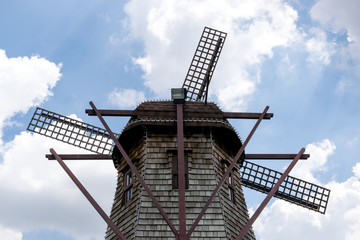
x: 203, y: 64
x: 293, y: 189
x: 271, y: 193
x: 71, y: 131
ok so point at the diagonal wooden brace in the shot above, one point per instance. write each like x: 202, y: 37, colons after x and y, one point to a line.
x: 135, y: 171
x: 226, y: 174
x: 88, y: 196
x: 269, y: 196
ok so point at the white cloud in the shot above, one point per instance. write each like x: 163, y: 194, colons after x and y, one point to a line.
x: 35, y: 188
x: 9, y: 234
x: 282, y: 220
x: 356, y: 170
x: 126, y: 98
x: 171, y: 30
x: 24, y: 82
x: 341, y: 17
x: 36, y: 193
x: 319, y: 153
x: 144, y: 63
x: 319, y: 48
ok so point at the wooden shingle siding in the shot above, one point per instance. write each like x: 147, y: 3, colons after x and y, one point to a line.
x: 140, y: 219
x: 125, y: 216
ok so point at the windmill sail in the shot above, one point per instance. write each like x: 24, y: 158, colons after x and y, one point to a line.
x: 71, y: 131
x: 203, y: 64
x: 292, y: 189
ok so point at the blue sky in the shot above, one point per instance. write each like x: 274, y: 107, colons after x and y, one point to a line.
x: 299, y: 58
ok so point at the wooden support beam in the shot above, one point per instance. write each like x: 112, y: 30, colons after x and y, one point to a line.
x: 269, y: 196
x: 108, y: 112
x: 129, y: 113
x: 226, y: 174
x: 181, y: 172
x: 135, y: 171
x: 108, y: 156
x: 80, y: 156
x: 245, y: 115
x: 275, y: 156
x: 81, y: 187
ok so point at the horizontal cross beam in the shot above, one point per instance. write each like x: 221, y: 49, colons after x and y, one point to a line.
x: 109, y: 112
x: 80, y: 156
x: 275, y: 156
x: 108, y: 156
x: 246, y: 115
x: 129, y: 113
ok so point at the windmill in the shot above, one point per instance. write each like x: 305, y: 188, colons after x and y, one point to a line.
x: 181, y: 165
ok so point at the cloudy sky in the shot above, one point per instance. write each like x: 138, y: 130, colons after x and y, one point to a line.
x: 299, y: 57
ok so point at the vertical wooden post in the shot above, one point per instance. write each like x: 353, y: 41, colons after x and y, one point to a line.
x: 181, y: 172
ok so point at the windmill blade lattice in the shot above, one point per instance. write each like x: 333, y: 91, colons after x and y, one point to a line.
x: 292, y: 189
x: 203, y: 64
x: 71, y: 131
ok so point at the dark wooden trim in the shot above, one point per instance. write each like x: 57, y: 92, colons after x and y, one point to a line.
x: 110, y: 112
x: 246, y: 115
x: 275, y: 156
x: 181, y: 170
x: 80, y: 157
x: 108, y: 156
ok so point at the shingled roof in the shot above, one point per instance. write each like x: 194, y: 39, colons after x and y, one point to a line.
x: 196, y: 114
x: 161, y: 116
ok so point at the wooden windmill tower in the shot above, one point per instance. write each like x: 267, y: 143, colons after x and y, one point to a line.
x: 181, y: 166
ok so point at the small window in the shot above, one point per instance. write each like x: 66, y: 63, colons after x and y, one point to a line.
x: 230, y: 180
x: 128, y: 186
x: 231, y: 187
x: 175, y: 183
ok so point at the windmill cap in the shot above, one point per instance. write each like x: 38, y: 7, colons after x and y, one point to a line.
x: 160, y: 116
